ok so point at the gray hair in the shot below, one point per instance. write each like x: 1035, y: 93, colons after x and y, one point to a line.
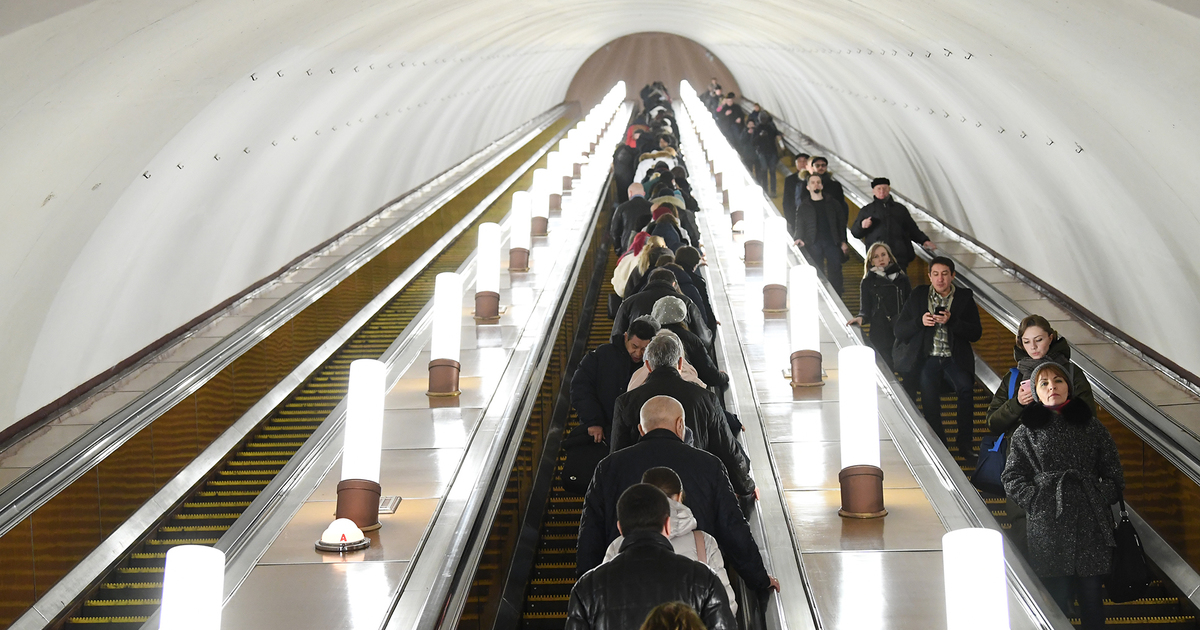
x: 664, y: 350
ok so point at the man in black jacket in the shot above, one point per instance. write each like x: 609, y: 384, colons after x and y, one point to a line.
x: 624, y: 170
x: 832, y: 187
x: 791, y: 186
x: 647, y: 572
x: 820, y: 229
x: 709, y: 494
x: 629, y: 217
x: 885, y: 220
x: 660, y: 282
x: 604, y: 373
x: 703, y: 413
x: 945, y: 320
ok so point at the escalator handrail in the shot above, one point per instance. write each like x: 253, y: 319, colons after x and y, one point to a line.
x: 1149, y: 423
x: 92, y: 567
x: 42, y: 482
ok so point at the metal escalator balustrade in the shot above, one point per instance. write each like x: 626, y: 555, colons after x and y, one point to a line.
x: 1162, y: 608
x: 129, y: 594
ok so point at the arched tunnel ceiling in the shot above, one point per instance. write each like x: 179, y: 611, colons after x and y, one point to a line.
x: 1088, y: 186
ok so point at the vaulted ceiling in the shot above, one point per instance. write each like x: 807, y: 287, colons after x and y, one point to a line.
x: 158, y: 156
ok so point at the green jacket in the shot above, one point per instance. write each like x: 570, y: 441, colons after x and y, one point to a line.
x: 1004, y: 414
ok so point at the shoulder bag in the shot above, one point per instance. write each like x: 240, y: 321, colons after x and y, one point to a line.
x: 1130, y: 576
x: 993, y: 453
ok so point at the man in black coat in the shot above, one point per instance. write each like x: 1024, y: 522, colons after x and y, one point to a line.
x: 703, y: 413
x: 832, y: 187
x: 946, y: 321
x: 709, y: 495
x: 647, y: 572
x: 603, y: 375
x: 624, y: 169
x: 886, y: 220
x: 791, y: 186
x: 660, y: 282
x: 629, y: 217
x: 821, y: 230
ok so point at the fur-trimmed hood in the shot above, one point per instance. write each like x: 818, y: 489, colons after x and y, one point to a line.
x: 1036, y: 415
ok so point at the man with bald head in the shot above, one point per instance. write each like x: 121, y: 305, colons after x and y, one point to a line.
x: 709, y: 494
x: 629, y: 217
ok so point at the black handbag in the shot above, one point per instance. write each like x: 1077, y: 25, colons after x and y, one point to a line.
x: 906, y: 354
x: 583, y: 454
x: 1130, y: 575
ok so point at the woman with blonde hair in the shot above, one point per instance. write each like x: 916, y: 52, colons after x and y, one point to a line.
x: 636, y: 260
x: 882, y: 294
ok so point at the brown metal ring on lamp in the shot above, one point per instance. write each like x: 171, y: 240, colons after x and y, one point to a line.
x: 754, y: 253
x: 806, y: 368
x: 775, y: 298
x: 518, y: 259
x: 539, y: 226
x: 443, y: 377
x: 487, y: 307
x: 862, y: 492
x: 358, y: 500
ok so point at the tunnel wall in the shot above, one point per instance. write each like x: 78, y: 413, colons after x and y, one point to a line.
x: 159, y: 156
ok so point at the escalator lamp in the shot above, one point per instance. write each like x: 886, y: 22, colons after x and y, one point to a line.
x: 192, y: 588
x: 341, y: 532
x: 976, y: 579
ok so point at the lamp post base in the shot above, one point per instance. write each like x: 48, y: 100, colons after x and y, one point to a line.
x: 567, y: 182
x: 862, y: 492
x: 754, y: 253
x: 577, y: 170
x: 806, y: 368
x: 555, y: 203
x: 538, y: 226
x: 725, y: 199
x: 718, y: 177
x: 358, y: 500
x: 443, y: 377
x: 487, y: 307
x: 518, y: 259
x: 735, y: 217
x: 774, y: 298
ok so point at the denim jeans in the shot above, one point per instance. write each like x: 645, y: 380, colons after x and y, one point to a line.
x: 935, y: 373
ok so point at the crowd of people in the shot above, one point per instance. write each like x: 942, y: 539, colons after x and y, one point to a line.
x: 664, y: 518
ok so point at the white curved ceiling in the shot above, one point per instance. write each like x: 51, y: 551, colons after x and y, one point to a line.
x: 97, y: 260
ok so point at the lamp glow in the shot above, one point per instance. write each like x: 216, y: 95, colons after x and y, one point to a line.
x: 973, y: 565
x: 858, y: 406
x: 775, y: 269
x: 192, y: 583
x: 447, y: 317
x: 487, y: 259
x: 804, y: 325
x: 364, y: 420
x: 519, y: 229
x: 540, y: 194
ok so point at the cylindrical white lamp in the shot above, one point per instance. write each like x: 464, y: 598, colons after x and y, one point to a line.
x: 752, y: 225
x: 804, y: 327
x: 976, y: 579
x: 193, y: 581
x: 775, y: 267
x: 861, y: 477
x: 446, y: 335
x: 358, y: 492
x: 560, y: 170
x: 487, y: 274
x: 540, y: 201
x: 519, y: 231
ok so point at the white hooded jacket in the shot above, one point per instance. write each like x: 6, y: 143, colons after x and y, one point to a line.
x: 683, y: 523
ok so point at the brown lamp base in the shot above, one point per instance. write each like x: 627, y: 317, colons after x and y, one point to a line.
x: 774, y: 298
x: 806, y: 368
x: 862, y: 492
x: 518, y: 259
x: 754, y: 253
x: 487, y: 307
x: 725, y: 199
x: 555, y: 202
x: 577, y: 170
x: 735, y: 216
x: 719, y: 177
x: 443, y: 377
x: 358, y: 500
x: 567, y: 182
x: 538, y: 226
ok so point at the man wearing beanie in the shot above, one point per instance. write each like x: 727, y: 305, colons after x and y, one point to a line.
x: 886, y: 220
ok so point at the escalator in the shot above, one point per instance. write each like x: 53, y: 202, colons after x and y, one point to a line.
x: 131, y: 591
x: 1162, y: 608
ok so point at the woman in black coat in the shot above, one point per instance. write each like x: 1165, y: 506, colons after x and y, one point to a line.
x: 883, y: 291
x: 1063, y: 468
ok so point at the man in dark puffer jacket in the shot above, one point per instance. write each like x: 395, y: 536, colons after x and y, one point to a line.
x: 603, y: 375
x: 647, y: 572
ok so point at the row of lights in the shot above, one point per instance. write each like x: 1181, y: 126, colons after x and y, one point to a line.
x: 193, y: 581
x: 973, y: 558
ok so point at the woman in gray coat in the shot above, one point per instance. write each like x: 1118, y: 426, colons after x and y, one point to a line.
x: 1063, y: 468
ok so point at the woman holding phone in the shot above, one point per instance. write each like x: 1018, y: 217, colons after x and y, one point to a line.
x: 1037, y: 342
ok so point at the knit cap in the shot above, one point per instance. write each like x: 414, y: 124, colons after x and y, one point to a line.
x: 1033, y: 378
x: 669, y: 310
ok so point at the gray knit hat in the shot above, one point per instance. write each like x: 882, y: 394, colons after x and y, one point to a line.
x: 1033, y: 378
x: 669, y: 310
